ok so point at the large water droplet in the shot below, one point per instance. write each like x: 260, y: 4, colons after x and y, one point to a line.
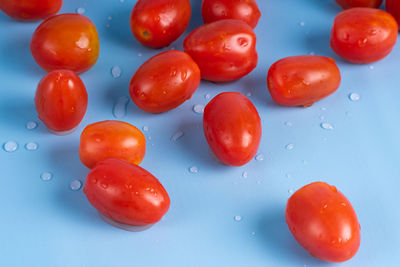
x: 75, y: 185
x: 46, y: 176
x: 31, y: 146
x: 120, y: 107
x: 176, y: 136
x: 10, y: 146
x: 198, y: 108
x: 116, y: 71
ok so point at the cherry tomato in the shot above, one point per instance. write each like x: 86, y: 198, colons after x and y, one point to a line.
x: 232, y: 128
x: 323, y: 221
x: 126, y: 193
x: 302, y: 80
x: 359, y: 3
x: 157, y: 23
x: 245, y: 10
x: 393, y: 7
x: 30, y: 10
x: 165, y: 81
x: 66, y: 41
x: 225, y: 50
x: 363, y: 35
x: 61, y: 100
x: 111, y: 139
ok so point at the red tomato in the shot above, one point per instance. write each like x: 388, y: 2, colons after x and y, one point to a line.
x: 30, y: 10
x: 61, y: 100
x: 225, y: 50
x: 126, y: 193
x: 393, y: 7
x: 165, y: 81
x: 157, y: 23
x: 111, y: 139
x: 245, y: 10
x: 359, y: 3
x: 302, y: 80
x: 66, y: 41
x: 232, y: 128
x: 363, y: 35
x: 323, y: 222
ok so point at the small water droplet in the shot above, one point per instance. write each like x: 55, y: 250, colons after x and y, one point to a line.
x: 164, y: 32
x: 10, y: 146
x: 207, y: 96
x: 302, y: 23
x: 259, y: 157
x: 193, y: 169
x: 238, y: 218
x: 164, y: 92
x: 80, y: 10
x: 289, y: 146
x: 31, y: 125
x: 75, y: 185
x: 288, y: 175
x: 120, y: 107
x: 46, y: 176
x: 116, y: 71
x: 149, y: 137
x: 253, y: 233
x: 326, y: 126
x: 176, y: 136
x: 290, y: 191
x: 198, y: 108
x: 139, y: 54
x: 31, y: 146
x: 109, y: 18
x: 145, y: 128
x: 362, y: 42
x: 243, y: 42
x: 248, y: 94
x: 288, y: 123
x: 312, y: 53
x: 343, y: 204
x: 371, y: 67
x: 354, y: 97
x: 245, y: 174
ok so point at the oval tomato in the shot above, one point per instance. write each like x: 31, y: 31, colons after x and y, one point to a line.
x: 61, y: 100
x: 245, y: 10
x: 225, y: 50
x: 323, y: 222
x: 30, y: 10
x: 165, y: 81
x: 359, y: 3
x: 111, y: 139
x: 232, y: 128
x: 157, y: 23
x: 126, y: 193
x: 393, y: 7
x: 302, y: 80
x: 363, y: 35
x: 66, y: 41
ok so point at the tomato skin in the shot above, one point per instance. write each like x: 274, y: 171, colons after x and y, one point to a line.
x: 66, y: 41
x: 126, y: 193
x: 165, y: 81
x: 157, y: 23
x: 111, y: 139
x: 245, y: 10
x: 302, y: 80
x: 359, y: 3
x: 393, y: 7
x: 232, y: 128
x: 225, y: 50
x: 61, y: 100
x: 323, y: 221
x: 30, y: 10
x: 363, y: 35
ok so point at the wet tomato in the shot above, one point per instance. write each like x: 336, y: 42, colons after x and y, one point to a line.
x: 30, y: 10
x: 359, y: 3
x: 165, y: 81
x: 61, y: 100
x: 126, y: 193
x: 245, y: 10
x: 363, y: 35
x: 66, y: 41
x: 302, y: 80
x: 111, y: 139
x: 323, y: 221
x: 157, y: 23
x: 393, y: 7
x: 232, y: 128
x: 225, y: 50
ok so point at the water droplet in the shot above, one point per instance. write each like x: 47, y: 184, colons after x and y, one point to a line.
x: 290, y: 191
x: 173, y: 73
x: 289, y: 146
x: 80, y: 10
x: 362, y: 42
x: 10, y: 146
x: 176, y: 136
x: 193, y: 169
x: 238, y: 218
x: 207, y: 96
x: 109, y: 18
x: 371, y: 67
x: 120, y: 107
x: 31, y: 146
x: 31, y: 125
x: 326, y: 126
x: 243, y: 42
x: 75, y: 185
x: 288, y: 123
x: 183, y: 75
x: 149, y: 137
x: 46, y: 176
x: 259, y: 157
x: 302, y: 23
x: 323, y: 108
x: 139, y: 54
x: 354, y: 97
x: 343, y: 204
x: 248, y: 94
x: 145, y: 128
x: 164, y: 32
x: 245, y: 174
x: 199, y: 109
x: 164, y: 92
x: 253, y: 233
x: 312, y: 53
x: 116, y: 71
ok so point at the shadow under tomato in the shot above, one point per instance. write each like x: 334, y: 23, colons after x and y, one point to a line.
x: 327, y: 6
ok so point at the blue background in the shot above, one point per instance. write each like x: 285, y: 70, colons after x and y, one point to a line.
x: 48, y: 224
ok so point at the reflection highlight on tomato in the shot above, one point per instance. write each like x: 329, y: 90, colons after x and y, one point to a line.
x: 30, y: 10
x: 359, y: 3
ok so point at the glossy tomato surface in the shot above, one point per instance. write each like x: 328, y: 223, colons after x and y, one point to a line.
x: 232, y: 128
x: 363, y: 35
x: 126, y: 193
x: 111, y: 139
x: 225, y: 50
x: 324, y: 222
x: 30, y: 10
x: 245, y: 10
x: 302, y: 80
x: 165, y: 81
x: 61, y: 100
x: 157, y: 23
x: 393, y: 7
x: 66, y: 41
x: 359, y: 3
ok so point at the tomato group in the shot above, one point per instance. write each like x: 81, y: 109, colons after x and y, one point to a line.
x: 359, y: 3
x: 165, y: 81
x: 323, y: 221
x: 393, y: 7
x: 111, y: 139
x: 245, y: 10
x: 225, y: 50
x: 302, y: 80
x: 232, y: 128
x: 363, y: 35
x: 126, y: 193
x: 157, y: 23
x: 61, y: 100
x: 66, y: 41
x: 30, y: 10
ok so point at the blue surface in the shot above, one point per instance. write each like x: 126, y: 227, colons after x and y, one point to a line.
x: 48, y: 224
